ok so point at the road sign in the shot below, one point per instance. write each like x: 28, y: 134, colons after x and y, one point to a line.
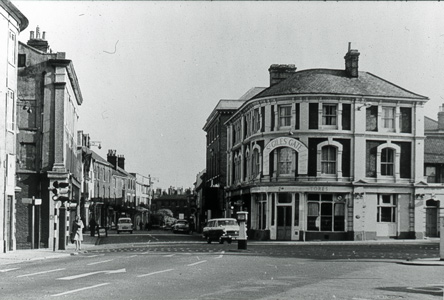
x: 32, y: 201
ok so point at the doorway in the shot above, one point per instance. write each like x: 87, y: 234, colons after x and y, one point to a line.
x: 432, y: 218
x: 284, y: 218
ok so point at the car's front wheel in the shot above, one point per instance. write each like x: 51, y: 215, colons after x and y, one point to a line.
x: 208, y: 240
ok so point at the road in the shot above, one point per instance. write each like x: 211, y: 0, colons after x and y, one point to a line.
x: 166, y: 266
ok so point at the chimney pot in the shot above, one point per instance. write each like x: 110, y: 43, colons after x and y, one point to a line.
x: 31, y: 36
x: 43, y: 35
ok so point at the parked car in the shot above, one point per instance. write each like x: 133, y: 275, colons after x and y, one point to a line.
x: 181, y: 226
x: 221, y: 230
x: 124, y: 224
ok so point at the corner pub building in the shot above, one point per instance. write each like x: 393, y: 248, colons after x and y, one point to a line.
x: 327, y: 154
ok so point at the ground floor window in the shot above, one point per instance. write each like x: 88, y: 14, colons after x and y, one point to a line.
x: 324, y: 214
x: 386, y: 209
x: 261, y: 205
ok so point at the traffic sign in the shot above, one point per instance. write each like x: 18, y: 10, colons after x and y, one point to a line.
x: 32, y: 201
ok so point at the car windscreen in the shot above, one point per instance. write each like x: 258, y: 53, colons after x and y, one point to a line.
x: 227, y: 222
x: 124, y: 221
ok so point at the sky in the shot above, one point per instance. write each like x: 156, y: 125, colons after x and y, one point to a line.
x: 152, y: 72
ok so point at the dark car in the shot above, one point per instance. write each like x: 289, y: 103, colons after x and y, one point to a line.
x: 181, y: 226
x: 221, y: 230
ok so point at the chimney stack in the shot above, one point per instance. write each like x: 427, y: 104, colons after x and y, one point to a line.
x: 121, y: 162
x: 37, y: 42
x: 351, y: 62
x: 111, y: 157
x: 441, y: 118
x: 280, y: 72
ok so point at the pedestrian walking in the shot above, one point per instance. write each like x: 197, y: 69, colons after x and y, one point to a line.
x: 77, y: 232
x: 92, y: 227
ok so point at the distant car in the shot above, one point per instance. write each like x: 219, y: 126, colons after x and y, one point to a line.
x: 181, y: 226
x: 221, y: 230
x: 124, y: 224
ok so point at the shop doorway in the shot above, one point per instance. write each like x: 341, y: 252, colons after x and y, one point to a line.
x: 432, y: 218
x: 284, y: 218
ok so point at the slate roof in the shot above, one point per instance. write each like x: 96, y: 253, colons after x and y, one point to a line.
x: 430, y: 124
x: 434, y: 150
x: 336, y: 82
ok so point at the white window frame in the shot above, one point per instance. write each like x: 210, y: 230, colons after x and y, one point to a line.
x: 396, y: 165
x: 392, y: 204
x: 339, y: 150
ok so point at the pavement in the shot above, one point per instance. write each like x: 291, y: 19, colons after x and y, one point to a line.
x: 90, y: 242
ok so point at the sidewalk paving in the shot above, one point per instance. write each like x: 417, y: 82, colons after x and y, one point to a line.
x: 90, y: 242
x: 18, y: 256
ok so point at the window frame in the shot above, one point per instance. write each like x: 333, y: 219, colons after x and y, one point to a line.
x: 329, y: 119
x: 383, y: 207
x: 285, y: 118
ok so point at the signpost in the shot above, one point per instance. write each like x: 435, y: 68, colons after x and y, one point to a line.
x: 33, y: 202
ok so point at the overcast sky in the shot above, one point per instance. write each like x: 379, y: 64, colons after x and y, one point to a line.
x: 152, y: 72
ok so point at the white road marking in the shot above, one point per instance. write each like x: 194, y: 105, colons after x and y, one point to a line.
x: 169, y: 255
x: 7, y: 270
x: 220, y: 256
x: 95, y: 255
x: 82, y: 289
x: 92, y: 273
x: 154, y: 273
x: 196, y: 263
x: 132, y: 256
x: 43, y: 272
x: 99, y: 262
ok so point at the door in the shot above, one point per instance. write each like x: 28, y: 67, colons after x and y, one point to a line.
x: 284, y: 218
x: 431, y: 222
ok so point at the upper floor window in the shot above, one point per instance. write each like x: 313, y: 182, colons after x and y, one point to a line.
x: 285, y: 115
x: 285, y: 161
x: 388, y: 118
x: 329, y: 114
x: 328, y: 160
x: 27, y: 156
x: 387, y: 162
x: 237, y: 132
x: 256, y: 161
x: 256, y: 121
x: 11, y: 48
x: 10, y: 111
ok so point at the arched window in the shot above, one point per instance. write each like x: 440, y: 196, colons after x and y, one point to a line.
x: 256, y: 162
x: 388, y: 160
x: 286, y: 161
x: 328, y: 160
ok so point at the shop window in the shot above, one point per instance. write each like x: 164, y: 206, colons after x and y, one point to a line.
x: 261, y: 211
x: 387, y: 162
x: 296, y: 210
x: 284, y: 198
x: 284, y: 116
x: 324, y: 214
x: 386, y: 212
x: 329, y: 114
